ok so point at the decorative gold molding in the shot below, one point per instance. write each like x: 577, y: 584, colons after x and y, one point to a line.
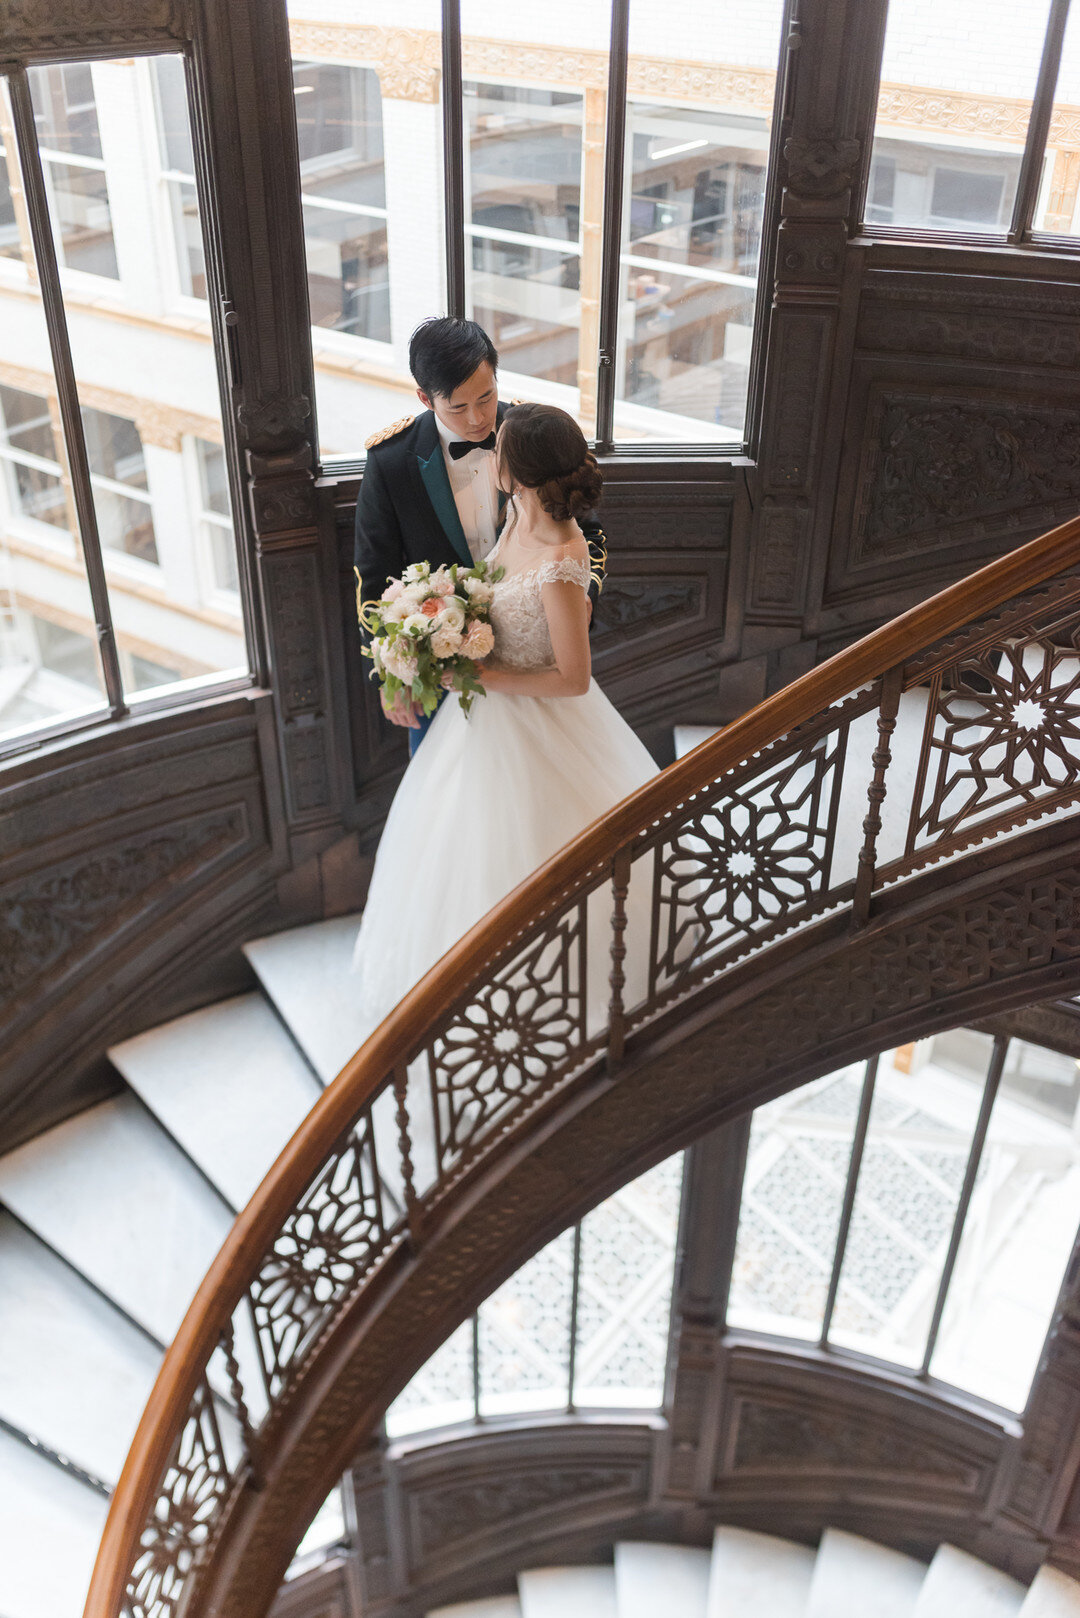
x: 717, y: 85
x: 158, y: 424
x: 955, y: 111
x: 407, y: 60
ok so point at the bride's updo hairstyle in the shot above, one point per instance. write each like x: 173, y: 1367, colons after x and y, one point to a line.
x: 543, y: 448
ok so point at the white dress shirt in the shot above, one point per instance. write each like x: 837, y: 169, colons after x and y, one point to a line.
x: 476, y: 495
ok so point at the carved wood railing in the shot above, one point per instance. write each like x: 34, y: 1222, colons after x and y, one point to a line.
x: 948, y: 730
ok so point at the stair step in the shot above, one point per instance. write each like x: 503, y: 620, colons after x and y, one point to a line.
x: 112, y: 1193
x: 759, y: 1574
x: 960, y: 1586
x: 73, y: 1372
x: 568, y: 1592
x: 853, y: 1577
x: 654, y: 1579
x: 489, y: 1607
x: 228, y: 1083
x: 307, y: 972
x: 50, y: 1526
x: 1053, y: 1595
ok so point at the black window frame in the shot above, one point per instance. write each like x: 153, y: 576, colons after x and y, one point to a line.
x: 116, y: 705
x: 1021, y: 232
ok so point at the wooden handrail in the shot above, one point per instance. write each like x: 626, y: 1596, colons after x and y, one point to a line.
x: 404, y: 1030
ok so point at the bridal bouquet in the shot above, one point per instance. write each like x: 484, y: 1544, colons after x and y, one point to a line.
x: 430, y: 624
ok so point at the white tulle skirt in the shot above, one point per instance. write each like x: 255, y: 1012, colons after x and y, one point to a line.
x: 484, y: 802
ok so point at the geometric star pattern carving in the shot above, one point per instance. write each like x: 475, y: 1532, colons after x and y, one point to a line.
x: 756, y: 856
x: 512, y: 1039
x: 1001, y: 739
x: 326, y: 1245
x: 192, y: 1492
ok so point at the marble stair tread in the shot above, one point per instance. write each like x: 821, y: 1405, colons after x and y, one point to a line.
x: 110, y: 1191
x: 227, y: 1083
x: 73, y: 1372
x: 758, y: 1573
x: 854, y: 1576
x: 1052, y: 1595
x: 668, y: 1579
x: 488, y: 1607
x: 961, y: 1586
x: 307, y: 972
x: 687, y: 737
x: 50, y: 1526
x: 568, y: 1592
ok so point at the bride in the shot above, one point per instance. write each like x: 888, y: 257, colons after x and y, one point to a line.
x: 490, y: 796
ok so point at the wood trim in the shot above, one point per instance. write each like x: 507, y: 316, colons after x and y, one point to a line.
x: 365, y: 1073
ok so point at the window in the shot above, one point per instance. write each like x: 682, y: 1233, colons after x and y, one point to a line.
x: 35, y: 486
x: 977, y: 141
x: 583, y: 1325
x: 69, y: 137
x: 126, y: 483
x: 343, y: 189
x: 217, y: 515
x: 958, y: 1163
x: 524, y: 251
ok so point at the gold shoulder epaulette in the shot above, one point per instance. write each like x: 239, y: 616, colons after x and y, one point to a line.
x: 392, y: 431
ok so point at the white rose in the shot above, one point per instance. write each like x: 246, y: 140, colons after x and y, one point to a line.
x: 416, y: 571
x: 452, y: 614
x: 480, y: 590
x: 417, y: 621
x: 446, y: 642
x: 391, y: 612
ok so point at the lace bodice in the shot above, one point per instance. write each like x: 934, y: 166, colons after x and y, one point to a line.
x: 522, y: 642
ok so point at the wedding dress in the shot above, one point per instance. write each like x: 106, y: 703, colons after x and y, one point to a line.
x: 488, y: 798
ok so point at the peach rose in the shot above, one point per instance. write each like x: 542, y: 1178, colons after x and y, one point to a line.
x: 445, y: 643
x: 479, y: 641
x: 431, y: 607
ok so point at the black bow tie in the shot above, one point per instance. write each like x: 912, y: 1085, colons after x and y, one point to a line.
x: 462, y: 446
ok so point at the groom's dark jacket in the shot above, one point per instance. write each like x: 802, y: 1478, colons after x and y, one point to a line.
x: 406, y: 511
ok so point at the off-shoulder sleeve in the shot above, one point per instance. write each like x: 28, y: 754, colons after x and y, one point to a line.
x: 567, y: 570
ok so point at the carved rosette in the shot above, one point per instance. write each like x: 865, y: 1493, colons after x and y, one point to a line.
x: 820, y: 166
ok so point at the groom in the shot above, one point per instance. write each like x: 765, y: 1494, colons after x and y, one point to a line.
x: 429, y: 491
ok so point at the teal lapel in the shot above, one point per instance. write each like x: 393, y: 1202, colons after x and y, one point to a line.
x: 437, y: 483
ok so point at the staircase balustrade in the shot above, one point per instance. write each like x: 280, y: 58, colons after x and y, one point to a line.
x: 948, y: 730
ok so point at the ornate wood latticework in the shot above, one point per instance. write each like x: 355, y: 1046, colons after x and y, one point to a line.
x: 888, y: 845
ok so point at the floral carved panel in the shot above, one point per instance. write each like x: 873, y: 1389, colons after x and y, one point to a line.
x: 939, y: 470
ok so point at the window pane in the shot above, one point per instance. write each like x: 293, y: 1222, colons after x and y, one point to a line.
x: 525, y: 1335
x: 796, y: 1169
x: 82, y: 218
x: 692, y: 219
x: 926, y: 1102
x: 10, y: 243
x: 114, y: 447
x: 951, y: 160
x: 217, y: 528
x: 65, y: 109
x: 145, y: 383
x: 524, y: 163
x: 624, y: 1309
x: 370, y: 134
x: 1018, y: 1234
x: 535, y: 109
x: 624, y: 1302
x: 49, y: 666
x: 1057, y: 209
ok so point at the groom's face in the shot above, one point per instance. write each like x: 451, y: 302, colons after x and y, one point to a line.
x: 469, y: 412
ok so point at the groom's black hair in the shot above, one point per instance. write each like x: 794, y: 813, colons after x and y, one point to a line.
x: 444, y: 353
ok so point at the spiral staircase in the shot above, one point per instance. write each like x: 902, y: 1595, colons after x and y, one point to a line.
x: 888, y: 847
x: 746, y: 1572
